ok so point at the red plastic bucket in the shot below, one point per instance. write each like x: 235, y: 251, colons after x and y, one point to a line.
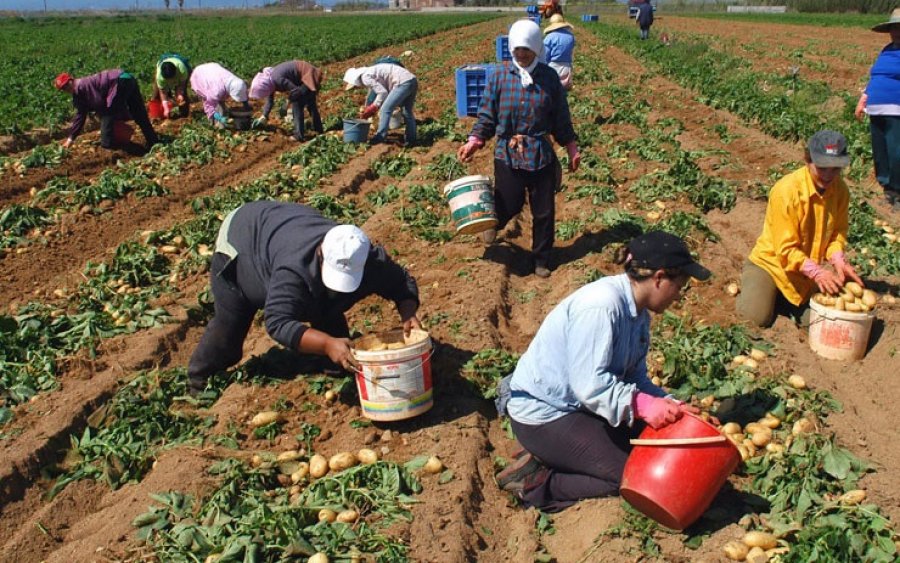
x: 675, y: 484
x: 122, y: 132
x: 155, y: 109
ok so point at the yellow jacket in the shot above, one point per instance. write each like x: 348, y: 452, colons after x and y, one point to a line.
x: 801, y: 223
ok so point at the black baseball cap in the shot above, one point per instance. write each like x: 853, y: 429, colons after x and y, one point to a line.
x: 660, y: 250
x: 828, y: 149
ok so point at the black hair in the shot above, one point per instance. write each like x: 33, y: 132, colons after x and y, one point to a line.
x: 167, y: 69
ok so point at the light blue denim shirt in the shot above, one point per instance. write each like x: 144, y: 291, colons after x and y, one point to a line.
x: 589, y: 354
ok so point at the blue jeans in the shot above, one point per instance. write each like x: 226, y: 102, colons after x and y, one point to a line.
x: 403, y: 96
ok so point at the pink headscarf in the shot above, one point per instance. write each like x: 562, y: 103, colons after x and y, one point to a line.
x: 262, y: 85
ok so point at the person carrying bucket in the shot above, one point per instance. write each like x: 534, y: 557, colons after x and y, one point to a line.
x: 394, y: 87
x: 112, y: 94
x: 298, y: 267
x: 559, y: 44
x: 300, y: 81
x: 804, y: 232
x: 214, y: 84
x: 523, y: 104
x: 580, y: 391
x: 172, y: 74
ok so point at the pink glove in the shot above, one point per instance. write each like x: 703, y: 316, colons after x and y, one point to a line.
x: 370, y: 110
x: 827, y: 282
x: 574, y: 156
x: 843, y: 269
x: 466, y: 151
x: 655, y: 411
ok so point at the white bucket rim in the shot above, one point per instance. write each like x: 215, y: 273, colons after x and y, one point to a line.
x: 420, y: 345
x: 836, y: 315
x: 474, y: 179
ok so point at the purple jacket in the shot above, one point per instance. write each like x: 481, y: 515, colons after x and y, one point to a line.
x: 93, y: 93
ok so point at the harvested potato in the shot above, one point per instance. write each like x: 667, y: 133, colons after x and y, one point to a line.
x: 774, y: 448
x: 288, y: 467
x: 433, y: 465
x: 732, y: 428
x: 288, y: 455
x: 751, y: 364
x: 803, y: 426
x: 761, y: 437
x: 318, y: 466
x: 736, y: 551
x: 770, y: 421
x: 330, y: 395
x: 854, y: 288
x: 853, y: 307
x: 762, y: 540
x: 797, y: 382
x: 367, y: 456
x: 745, y: 453
x: 327, y: 515
x: 752, y: 427
x: 348, y: 516
x: 757, y: 555
x: 256, y: 460
x: 265, y: 417
x: 301, y: 473
x: 853, y: 497
x: 758, y: 354
x: 707, y: 401
x: 318, y: 558
x: 739, y: 360
x: 342, y: 461
x: 733, y: 289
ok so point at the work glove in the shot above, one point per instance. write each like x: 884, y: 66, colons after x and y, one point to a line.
x: 843, y: 269
x: 828, y: 282
x: 298, y: 93
x: 259, y: 122
x: 861, y: 106
x: 574, y: 156
x: 465, y: 152
x: 67, y: 143
x: 656, y: 411
x: 369, y: 111
x: 220, y: 119
x: 167, y: 109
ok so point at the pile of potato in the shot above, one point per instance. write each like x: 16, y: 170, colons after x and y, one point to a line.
x: 852, y: 298
x: 755, y: 547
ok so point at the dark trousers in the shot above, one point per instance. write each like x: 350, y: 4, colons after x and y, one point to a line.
x: 309, y: 103
x: 511, y: 186
x: 128, y: 101
x: 585, y: 457
x: 885, y: 131
x: 221, y: 345
x: 185, y: 108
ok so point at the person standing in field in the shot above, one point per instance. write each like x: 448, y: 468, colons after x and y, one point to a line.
x: 112, y: 94
x: 394, y: 87
x: 524, y: 103
x: 559, y: 45
x: 214, y: 84
x: 580, y: 391
x: 304, y: 271
x: 644, y: 18
x: 172, y: 74
x: 300, y: 81
x: 881, y: 101
x: 805, y: 230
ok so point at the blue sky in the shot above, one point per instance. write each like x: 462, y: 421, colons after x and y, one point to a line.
x: 38, y: 5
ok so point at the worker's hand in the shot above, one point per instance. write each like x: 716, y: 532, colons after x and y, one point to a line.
x: 843, y: 270
x: 656, y: 411
x: 861, y: 106
x: 220, y: 119
x: 338, y: 351
x: 298, y: 93
x: 828, y: 281
x: 369, y: 111
x: 259, y: 122
x: 179, y: 99
x: 67, y: 143
x: 574, y: 156
x: 411, y: 323
x: 465, y: 152
x: 167, y: 109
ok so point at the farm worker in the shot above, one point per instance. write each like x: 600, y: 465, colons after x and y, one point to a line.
x: 387, y: 59
x: 881, y: 101
x: 215, y: 84
x: 805, y: 229
x: 559, y: 44
x: 644, y: 17
x: 580, y: 391
x: 301, y: 81
x: 172, y: 74
x: 394, y: 87
x: 549, y: 8
x: 298, y: 267
x: 523, y: 104
x: 112, y: 94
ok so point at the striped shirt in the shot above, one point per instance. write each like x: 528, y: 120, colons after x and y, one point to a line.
x: 530, y: 114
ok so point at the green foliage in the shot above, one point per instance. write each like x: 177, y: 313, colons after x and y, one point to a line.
x: 446, y: 168
x: 881, y: 256
x: 394, y: 166
x: 422, y: 211
x: 486, y: 368
x: 17, y: 220
x: 684, y: 177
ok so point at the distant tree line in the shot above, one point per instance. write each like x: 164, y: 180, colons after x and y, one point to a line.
x: 861, y: 6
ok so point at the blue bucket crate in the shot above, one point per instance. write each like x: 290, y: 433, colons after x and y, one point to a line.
x: 503, y: 48
x: 471, y: 80
x: 531, y: 9
x: 535, y: 18
x: 590, y: 18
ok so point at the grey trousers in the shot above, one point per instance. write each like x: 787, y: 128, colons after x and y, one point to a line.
x: 760, y: 299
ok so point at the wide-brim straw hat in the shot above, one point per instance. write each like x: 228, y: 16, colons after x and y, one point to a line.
x: 886, y: 26
x: 556, y: 22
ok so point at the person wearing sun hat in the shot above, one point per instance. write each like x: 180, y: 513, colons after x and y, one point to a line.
x: 301, y: 82
x: 394, y: 87
x: 881, y: 101
x: 524, y: 104
x: 559, y: 45
x: 214, y: 84
x: 304, y: 271
x: 581, y: 390
x: 804, y: 237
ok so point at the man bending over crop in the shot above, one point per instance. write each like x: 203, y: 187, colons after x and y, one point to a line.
x: 298, y: 267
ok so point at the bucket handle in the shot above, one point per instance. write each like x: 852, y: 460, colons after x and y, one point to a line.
x: 374, y: 382
x: 677, y: 441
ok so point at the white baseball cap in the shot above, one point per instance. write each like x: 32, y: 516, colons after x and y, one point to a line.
x: 345, y: 249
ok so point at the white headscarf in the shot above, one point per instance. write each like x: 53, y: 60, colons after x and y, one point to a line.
x: 526, y: 33
x: 353, y: 77
x: 237, y: 89
x: 262, y: 85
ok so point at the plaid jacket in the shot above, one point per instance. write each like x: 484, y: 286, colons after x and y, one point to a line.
x: 509, y: 110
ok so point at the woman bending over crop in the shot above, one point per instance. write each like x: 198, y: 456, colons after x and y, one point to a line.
x: 581, y: 391
x: 394, y: 87
x: 214, y: 84
x: 523, y: 104
x: 300, y: 81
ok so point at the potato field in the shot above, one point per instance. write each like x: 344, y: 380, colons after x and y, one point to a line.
x: 104, y: 276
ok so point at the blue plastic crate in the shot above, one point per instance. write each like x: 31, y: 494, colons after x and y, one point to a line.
x: 535, y: 18
x: 503, y: 48
x: 532, y: 9
x: 471, y: 80
x: 590, y: 18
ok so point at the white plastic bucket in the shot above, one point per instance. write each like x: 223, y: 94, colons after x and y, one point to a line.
x: 471, y: 200
x: 394, y: 383
x: 839, y: 335
x: 397, y: 120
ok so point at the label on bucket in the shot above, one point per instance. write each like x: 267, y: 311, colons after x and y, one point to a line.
x: 837, y: 335
x: 393, y: 391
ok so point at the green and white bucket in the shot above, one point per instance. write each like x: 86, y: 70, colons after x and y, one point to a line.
x: 471, y: 200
